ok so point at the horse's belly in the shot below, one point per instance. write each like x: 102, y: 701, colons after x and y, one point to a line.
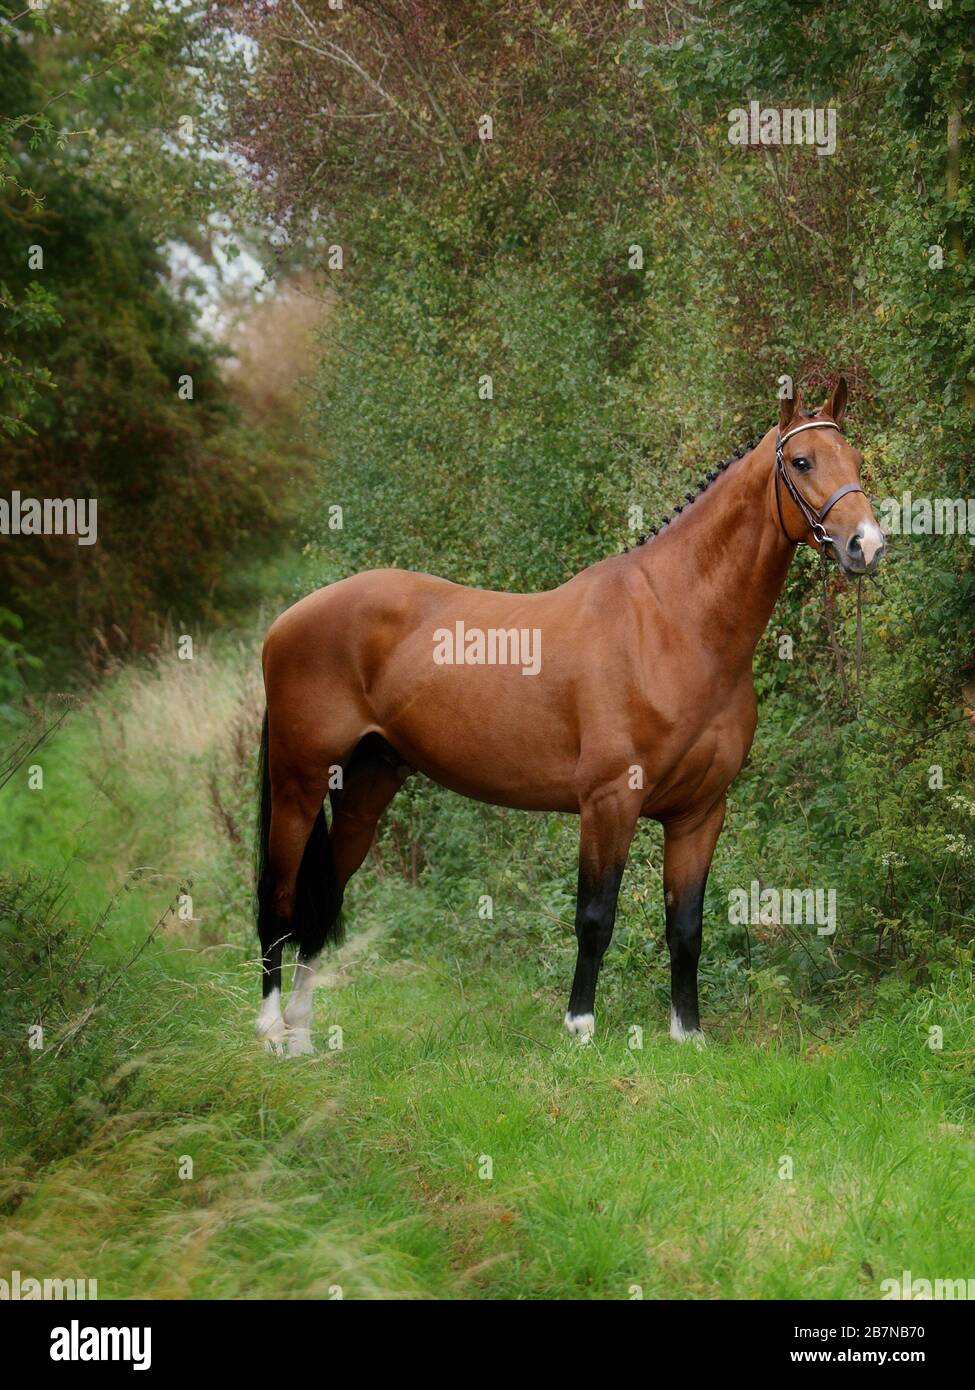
x: 488, y: 735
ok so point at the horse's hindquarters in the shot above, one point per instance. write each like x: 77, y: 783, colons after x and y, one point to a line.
x: 467, y: 685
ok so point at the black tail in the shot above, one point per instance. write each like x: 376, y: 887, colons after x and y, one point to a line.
x: 317, y: 918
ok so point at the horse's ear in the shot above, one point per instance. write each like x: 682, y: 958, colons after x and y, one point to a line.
x: 835, y: 407
x: 788, y: 408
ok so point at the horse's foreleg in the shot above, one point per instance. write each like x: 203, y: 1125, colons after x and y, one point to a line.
x: 688, y: 848
x: 608, y: 820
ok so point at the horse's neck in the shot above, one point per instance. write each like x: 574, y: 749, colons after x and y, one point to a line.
x: 720, y: 565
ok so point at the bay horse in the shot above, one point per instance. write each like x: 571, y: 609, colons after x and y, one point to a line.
x: 625, y: 692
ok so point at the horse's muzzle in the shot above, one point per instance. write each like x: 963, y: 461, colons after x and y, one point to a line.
x: 864, y: 550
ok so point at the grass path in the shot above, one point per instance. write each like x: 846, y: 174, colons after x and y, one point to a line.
x: 447, y: 1140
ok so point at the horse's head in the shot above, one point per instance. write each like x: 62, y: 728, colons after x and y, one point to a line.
x: 818, y: 496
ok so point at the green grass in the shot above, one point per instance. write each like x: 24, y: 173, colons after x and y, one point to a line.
x: 364, y: 1168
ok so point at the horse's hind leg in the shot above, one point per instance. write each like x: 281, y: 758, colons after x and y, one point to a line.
x: 297, y: 895
x: 292, y: 850
x: 300, y: 1006
x: 370, y: 783
x: 373, y: 778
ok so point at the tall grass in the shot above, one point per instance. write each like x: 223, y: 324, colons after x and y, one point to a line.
x: 446, y: 1140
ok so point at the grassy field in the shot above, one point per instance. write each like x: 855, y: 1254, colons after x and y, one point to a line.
x: 447, y: 1141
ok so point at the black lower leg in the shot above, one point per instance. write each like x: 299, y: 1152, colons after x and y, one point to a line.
x: 595, y: 915
x: 271, y: 976
x: 684, y: 917
x: 271, y: 933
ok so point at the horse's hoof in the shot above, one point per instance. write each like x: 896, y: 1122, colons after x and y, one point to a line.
x: 682, y: 1035
x: 269, y: 1026
x: 581, y: 1026
x: 300, y: 1044
x: 272, y: 1033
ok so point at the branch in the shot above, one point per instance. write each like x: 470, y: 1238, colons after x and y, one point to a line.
x: 335, y: 54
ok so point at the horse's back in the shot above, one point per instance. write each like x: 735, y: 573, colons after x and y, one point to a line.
x: 366, y: 654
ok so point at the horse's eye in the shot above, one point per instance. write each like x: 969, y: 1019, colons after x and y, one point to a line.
x: 801, y: 464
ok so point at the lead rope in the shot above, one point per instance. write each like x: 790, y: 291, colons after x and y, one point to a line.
x: 864, y: 706
x: 922, y: 736
x: 834, y: 641
x: 831, y: 628
x: 860, y: 631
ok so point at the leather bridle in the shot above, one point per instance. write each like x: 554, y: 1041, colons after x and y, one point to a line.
x: 813, y: 519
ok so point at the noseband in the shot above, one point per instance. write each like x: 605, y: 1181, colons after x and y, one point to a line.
x: 813, y: 519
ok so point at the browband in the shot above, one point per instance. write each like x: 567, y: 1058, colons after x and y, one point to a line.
x: 810, y: 425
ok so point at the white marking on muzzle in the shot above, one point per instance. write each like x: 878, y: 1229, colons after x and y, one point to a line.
x: 871, y: 540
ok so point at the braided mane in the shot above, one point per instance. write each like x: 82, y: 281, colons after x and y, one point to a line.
x: 702, y: 486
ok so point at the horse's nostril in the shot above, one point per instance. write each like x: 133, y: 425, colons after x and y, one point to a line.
x: 866, y: 545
